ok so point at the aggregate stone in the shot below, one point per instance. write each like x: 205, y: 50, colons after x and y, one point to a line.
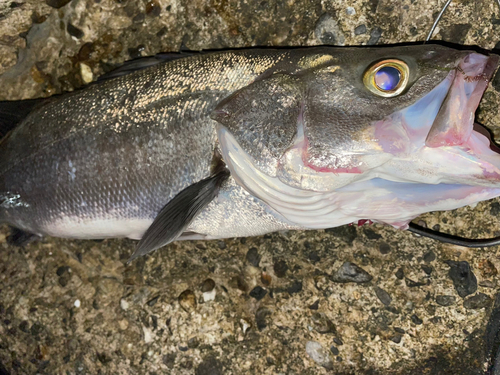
x: 463, y: 278
x: 414, y: 284
x: 430, y: 256
x: 334, y: 350
x: 295, y: 287
x: 152, y: 301
x: 477, y: 301
x: 375, y: 35
x: 328, y: 31
x: 351, y: 273
x: 169, y: 360
x: 415, y: 319
x: 258, y: 293
x: 338, y: 341
x: 314, y: 257
x: 262, y: 317
x: 361, y: 29
x: 495, y: 206
x: 75, y: 31
x: 319, y: 354
x: 209, y: 366
x: 445, y: 300
x: 488, y: 284
x: 427, y: 269
x: 280, y: 268
x: 400, y: 273
x: 266, y: 278
x: 62, y: 270
x: 315, y: 305
x: 371, y: 234
x: 383, y: 296
x: 346, y: 233
x: 239, y: 282
x: 187, y: 300
x: 396, y: 338
x: 322, y: 323
x: 384, y: 248
x: 253, y: 257
x: 57, y: 3
x: 208, y: 285
x: 24, y: 326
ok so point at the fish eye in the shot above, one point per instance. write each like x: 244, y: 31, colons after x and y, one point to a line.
x: 387, y: 78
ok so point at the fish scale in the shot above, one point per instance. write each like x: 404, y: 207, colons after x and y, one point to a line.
x: 133, y: 123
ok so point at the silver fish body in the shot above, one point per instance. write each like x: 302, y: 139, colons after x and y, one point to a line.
x: 307, y: 144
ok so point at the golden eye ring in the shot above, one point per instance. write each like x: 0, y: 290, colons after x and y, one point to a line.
x: 387, y: 78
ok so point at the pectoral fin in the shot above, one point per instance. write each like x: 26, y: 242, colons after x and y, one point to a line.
x: 177, y: 214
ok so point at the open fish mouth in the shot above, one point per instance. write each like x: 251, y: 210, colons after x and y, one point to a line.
x: 428, y: 156
x: 453, y: 124
x: 445, y: 145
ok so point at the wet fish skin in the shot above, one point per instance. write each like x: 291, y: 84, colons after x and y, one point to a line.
x: 103, y: 161
x: 118, y: 150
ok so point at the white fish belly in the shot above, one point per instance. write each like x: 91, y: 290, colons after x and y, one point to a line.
x: 97, y: 228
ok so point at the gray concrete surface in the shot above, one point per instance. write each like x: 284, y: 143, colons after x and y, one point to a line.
x: 272, y: 305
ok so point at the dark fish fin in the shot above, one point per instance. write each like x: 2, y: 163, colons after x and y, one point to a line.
x: 179, y: 212
x: 13, y: 112
x: 143, y: 63
x: 20, y: 238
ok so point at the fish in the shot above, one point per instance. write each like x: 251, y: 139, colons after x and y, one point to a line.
x: 247, y: 142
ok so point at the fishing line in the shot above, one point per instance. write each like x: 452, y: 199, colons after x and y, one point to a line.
x: 438, y: 18
x: 451, y: 239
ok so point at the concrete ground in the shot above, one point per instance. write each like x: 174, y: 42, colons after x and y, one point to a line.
x: 263, y: 305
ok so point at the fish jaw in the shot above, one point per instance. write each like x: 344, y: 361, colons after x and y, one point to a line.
x: 413, y: 161
x: 444, y: 145
x: 453, y: 124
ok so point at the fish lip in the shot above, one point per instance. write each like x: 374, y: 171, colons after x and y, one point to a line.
x: 453, y: 124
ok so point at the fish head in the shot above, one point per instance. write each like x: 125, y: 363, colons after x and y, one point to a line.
x: 333, y: 118
x: 322, y: 121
